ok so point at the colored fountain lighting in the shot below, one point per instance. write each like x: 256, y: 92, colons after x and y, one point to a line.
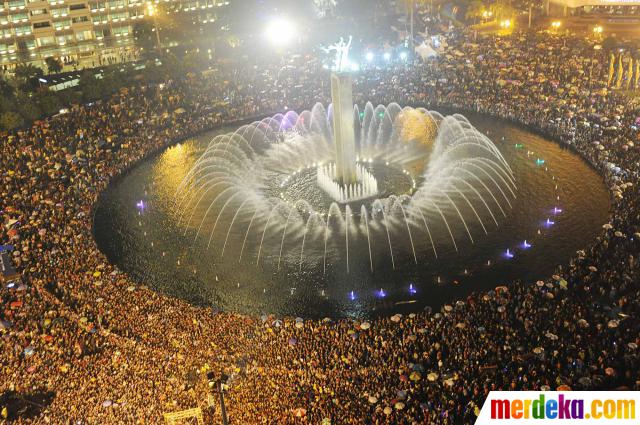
x: 526, y: 244
x: 381, y: 293
x: 508, y: 254
x: 412, y: 290
x: 557, y: 210
x: 140, y: 205
x: 352, y: 296
x: 539, y: 161
x: 549, y: 222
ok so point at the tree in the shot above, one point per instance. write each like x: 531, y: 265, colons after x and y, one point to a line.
x: 6, y: 89
x: 27, y: 75
x: 503, y: 10
x: 11, y: 120
x: 90, y: 86
x: 145, y: 38
x: 48, y: 102
x: 475, y: 9
x: 610, y: 43
x: 28, y: 108
x: 54, y: 65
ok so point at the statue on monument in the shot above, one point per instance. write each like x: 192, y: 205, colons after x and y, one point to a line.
x: 341, y: 61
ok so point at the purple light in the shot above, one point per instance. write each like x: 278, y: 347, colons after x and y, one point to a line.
x: 352, y: 296
x: 140, y: 205
x: 557, y: 210
x: 549, y: 223
x: 508, y: 254
x: 381, y: 293
x: 526, y: 245
x: 412, y: 290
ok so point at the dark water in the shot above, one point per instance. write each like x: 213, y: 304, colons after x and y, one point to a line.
x: 148, y: 243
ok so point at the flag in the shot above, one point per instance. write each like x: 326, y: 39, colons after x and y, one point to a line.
x: 629, y: 74
x: 611, y: 67
x: 635, y: 82
x: 619, y: 73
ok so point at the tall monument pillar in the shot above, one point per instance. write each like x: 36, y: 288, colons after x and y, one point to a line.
x: 343, y: 131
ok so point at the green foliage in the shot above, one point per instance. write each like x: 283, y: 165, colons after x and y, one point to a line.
x: 474, y: 10
x: 91, y: 87
x: 503, y: 10
x: 11, y: 120
x: 48, y: 102
x: 27, y: 75
x: 145, y: 38
x: 28, y: 108
x: 194, y: 61
x: 53, y: 65
x: 610, y: 43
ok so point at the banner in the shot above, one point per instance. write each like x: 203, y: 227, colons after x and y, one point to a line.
x: 560, y: 407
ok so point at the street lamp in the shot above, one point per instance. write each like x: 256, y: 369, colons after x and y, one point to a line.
x: 280, y: 31
x: 505, y: 24
x: 556, y: 25
x: 597, y: 30
x: 152, y: 11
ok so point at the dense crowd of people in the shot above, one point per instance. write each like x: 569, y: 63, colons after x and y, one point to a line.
x: 107, y: 350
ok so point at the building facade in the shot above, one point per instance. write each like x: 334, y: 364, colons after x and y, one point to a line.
x: 82, y: 33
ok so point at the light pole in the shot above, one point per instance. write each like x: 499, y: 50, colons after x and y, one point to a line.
x: 151, y: 11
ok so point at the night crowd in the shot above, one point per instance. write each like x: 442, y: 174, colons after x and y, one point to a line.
x: 105, y: 350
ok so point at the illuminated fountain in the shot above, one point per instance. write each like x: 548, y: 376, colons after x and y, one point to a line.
x: 301, y: 188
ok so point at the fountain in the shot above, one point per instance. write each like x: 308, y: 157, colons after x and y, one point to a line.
x: 300, y: 187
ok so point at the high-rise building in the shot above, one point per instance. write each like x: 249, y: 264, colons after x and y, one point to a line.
x: 82, y: 32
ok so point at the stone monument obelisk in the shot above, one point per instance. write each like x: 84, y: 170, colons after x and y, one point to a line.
x: 342, y: 99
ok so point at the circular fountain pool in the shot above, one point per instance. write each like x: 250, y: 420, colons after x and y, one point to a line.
x: 248, y: 220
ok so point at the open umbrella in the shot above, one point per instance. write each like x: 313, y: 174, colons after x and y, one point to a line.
x: 365, y: 325
x: 432, y: 377
x: 387, y: 410
x: 299, y: 412
x: 373, y: 400
x: 396, y: 318
x: 564, y: 387
x: 415, y: 376
x: 299, y: 325
x: 607, y: 226
x: 399, y: 405
x: 593, y: 268
x: 613, y: 324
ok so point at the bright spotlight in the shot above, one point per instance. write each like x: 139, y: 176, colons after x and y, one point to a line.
x: 387, y: 56
x: 354, y: 67
x: 403, y: 56
x: 280, y: 31
x: 369, y: 56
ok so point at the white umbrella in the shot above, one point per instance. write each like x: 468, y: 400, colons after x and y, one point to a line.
x: 613, y: 323
x: 607, y: 226
x: 365, y: 325
x: 387, y: 410
x: 593, y: 268
x: 373, y: 400
x: 618, y: 233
